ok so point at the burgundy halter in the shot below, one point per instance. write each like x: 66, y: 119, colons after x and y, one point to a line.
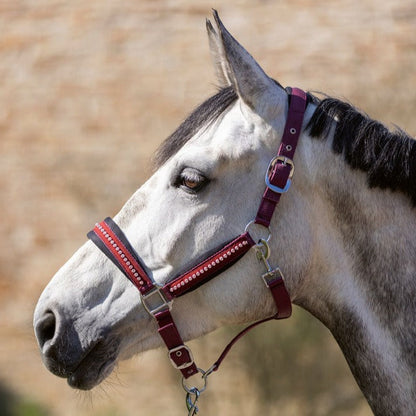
x: 158, y: 299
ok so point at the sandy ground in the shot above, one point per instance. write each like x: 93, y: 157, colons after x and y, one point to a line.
x: 88, y: 89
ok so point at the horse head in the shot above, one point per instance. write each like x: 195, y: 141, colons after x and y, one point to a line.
x: 208, y: 180
x: 205, y: 190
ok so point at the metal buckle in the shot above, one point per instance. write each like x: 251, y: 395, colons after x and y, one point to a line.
x: 163, y: 302
x: 178, y: 349
x: 272, y: 275
x: 286, y: 161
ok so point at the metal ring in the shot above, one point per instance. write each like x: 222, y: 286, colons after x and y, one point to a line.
x: 263, y: 245
x: 252, y: 223
x: 190, y: 389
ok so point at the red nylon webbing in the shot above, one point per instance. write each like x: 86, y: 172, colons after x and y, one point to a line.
x: 280, y: 173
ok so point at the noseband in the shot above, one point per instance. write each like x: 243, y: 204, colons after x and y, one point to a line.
x: 158, y: 299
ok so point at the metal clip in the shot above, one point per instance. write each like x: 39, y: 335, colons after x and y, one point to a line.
x: 263, y: 254
x: 191, y: 404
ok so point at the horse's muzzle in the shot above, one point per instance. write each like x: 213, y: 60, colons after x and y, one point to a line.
x: 58, y: 342
x: 84, y: 366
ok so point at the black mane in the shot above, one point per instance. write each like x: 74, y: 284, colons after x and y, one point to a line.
x: 202, y: 116
x: 388, y: 157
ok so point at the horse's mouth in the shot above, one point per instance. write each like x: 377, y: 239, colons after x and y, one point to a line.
x: 94, y: 367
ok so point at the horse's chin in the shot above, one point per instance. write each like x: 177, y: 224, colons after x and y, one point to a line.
x: 97, y: 365
x: 84, y: 378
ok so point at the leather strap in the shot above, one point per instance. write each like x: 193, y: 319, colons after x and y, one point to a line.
x: 210, y: 267
x: 109, y: 238
x: 180, y: 355
x: 281, y: 171
x: 227, y: 349
x: 281, y: 298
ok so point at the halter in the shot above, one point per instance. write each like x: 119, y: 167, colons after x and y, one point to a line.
x: 158, y: 299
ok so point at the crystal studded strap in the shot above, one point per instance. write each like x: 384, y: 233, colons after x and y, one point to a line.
x: 210, y: 267
x: 112, y: 242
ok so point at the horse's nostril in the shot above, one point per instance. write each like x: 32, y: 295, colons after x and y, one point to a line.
x: 45, y: 328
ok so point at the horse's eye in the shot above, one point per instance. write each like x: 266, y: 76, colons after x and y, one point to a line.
x: 190, y: 183
x: 191, y: 180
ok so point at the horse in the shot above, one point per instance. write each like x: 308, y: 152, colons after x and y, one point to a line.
x: 342, y: 235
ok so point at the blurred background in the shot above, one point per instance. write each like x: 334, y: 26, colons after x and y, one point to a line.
x: 88, y: 90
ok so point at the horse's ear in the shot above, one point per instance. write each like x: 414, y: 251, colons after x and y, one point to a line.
x: 237, y: 68
x: 218, y: 56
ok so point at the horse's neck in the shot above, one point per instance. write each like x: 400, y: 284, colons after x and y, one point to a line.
x: 364, y: 282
